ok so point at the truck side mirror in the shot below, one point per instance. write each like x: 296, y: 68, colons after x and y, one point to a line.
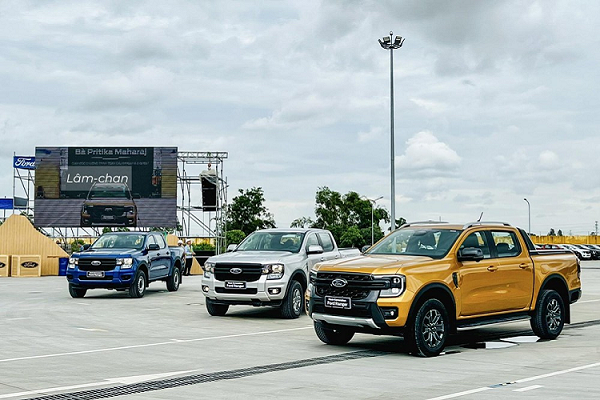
x: 314, y: 249
x: 364, y: 248
x: 86, y: 246
x: 153, y: 247
x: 231, y: 247
x: 470, y: 254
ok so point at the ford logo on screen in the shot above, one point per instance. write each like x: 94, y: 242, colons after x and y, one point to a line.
x: 95, y: 263
x: 339, y: 283
x: 29, y: 264
x: 24, y: 162
x: 235, y: 271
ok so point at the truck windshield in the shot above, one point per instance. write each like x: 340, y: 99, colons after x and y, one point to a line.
x: 272, y: 241
x: 112, y: 241
x: 119, y: 192
x: 434, y: 243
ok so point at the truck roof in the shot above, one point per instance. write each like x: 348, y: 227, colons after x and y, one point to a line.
x: 295, y: 230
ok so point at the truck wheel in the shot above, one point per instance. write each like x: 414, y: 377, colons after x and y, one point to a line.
x: 138, y: 287
x: 427, y: 334
x: 76, y: 292
x: 174, y: 280
x: 338, y: 335
x: 549, y: 317
x: 292, y: 304
x: 216, y: 310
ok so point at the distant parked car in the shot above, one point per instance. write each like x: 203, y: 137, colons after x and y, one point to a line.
x: 582, y: 254
x: 594, y: 250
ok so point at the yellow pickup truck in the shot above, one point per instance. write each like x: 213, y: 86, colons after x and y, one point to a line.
x: 425, y: 280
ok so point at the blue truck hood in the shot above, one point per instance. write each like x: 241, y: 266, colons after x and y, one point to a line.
x: 108, y: 253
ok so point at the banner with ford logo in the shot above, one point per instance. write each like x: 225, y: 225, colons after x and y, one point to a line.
x: 23, y: 162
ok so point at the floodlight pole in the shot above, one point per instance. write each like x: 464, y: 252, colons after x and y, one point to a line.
x: 391, y: 43
x: 373, y: 201
x: 529, y: 215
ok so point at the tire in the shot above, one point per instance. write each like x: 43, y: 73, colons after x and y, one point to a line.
x: 174, y: 280
x: 336, y: 336
x: 549, y: 316
x: 76, y: 292
x: 216, y: 310
x: 138, y: 286
x: 293, y: 302
x: 428, y: 332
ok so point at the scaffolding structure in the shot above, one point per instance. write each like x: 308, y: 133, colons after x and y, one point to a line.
x: 210, y: 220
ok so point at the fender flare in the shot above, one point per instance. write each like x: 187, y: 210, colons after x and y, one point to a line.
x: 550, y: 279
x: 422, y: 294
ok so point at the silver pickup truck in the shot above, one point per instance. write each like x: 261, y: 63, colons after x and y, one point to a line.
x: 269, y: 268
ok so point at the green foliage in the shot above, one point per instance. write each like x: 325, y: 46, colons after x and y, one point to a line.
x: 560, y: 233
x: 302, y: 222
x: 234, y: 237
x: 352, y: 237
x: 348, y: 217
x: 115, y: 229
x: 204, y: 247
x: 247, y: 212
x: 75, y: 244
x: 552, y: 233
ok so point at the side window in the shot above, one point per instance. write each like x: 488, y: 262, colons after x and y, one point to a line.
x: 506, y: 243
x: 160, y: 240
x: 477, y: 240
x: 311, y: 240
x: 326, y: 241
x: 150, y: 240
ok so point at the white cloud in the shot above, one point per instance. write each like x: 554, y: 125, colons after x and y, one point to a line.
x: 425, y: 153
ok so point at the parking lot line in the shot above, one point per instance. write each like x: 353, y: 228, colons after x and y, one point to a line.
x: 528, y: 388
x: 529, y: 379
x: 136, y: 346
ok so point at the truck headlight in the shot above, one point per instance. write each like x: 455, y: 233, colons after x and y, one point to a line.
x: 125, y: 262
x: 73, y: 262
x: 397, y: 286
x: 209, y: 268
x: 273, y: 271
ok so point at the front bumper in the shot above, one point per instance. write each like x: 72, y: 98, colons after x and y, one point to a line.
x: 112, y: 279
x: 261, y: 292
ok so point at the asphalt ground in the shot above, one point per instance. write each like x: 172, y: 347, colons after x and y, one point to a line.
x: 166, y: 346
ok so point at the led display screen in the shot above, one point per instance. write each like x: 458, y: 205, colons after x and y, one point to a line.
x: 105, y: 186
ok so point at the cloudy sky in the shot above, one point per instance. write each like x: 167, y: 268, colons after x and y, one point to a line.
x: 495, y: 100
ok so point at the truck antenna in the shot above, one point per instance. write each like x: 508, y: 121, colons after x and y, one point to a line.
x: 481, y: 216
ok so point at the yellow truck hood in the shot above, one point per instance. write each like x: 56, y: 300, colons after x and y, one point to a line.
x: 373, y: 264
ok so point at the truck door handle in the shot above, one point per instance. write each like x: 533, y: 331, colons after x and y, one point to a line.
x: 158, y: 254
x: 492, y: 268
x: 523, y: 266
x: 322, y: 258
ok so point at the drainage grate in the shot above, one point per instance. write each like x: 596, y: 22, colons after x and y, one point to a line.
x: 204, y: 378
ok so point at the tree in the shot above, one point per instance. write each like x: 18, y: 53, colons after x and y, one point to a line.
x: 247, y: 212
x: 559, y: 233
x: 348, y: 217
x: 551, y: 233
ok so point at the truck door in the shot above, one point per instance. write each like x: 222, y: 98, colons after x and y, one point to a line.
x: 514, y: 277
x: 164, y: 256
x: 154, y: 259
x: 329, y: 250
x: 312, y: 259
x: 476, y: 289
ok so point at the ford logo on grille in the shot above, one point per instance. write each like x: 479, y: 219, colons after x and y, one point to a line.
x: 29, y: 264
x: 235, y: 271
x: 96, y: 263
x: 339, y: 282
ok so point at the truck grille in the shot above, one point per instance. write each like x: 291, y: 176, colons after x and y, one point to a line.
x: 249, y: 272
x: 358, y: 285
x: 236, y: 291
x: 106, y: 264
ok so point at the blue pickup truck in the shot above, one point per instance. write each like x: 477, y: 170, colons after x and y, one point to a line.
x: 125, y: 261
